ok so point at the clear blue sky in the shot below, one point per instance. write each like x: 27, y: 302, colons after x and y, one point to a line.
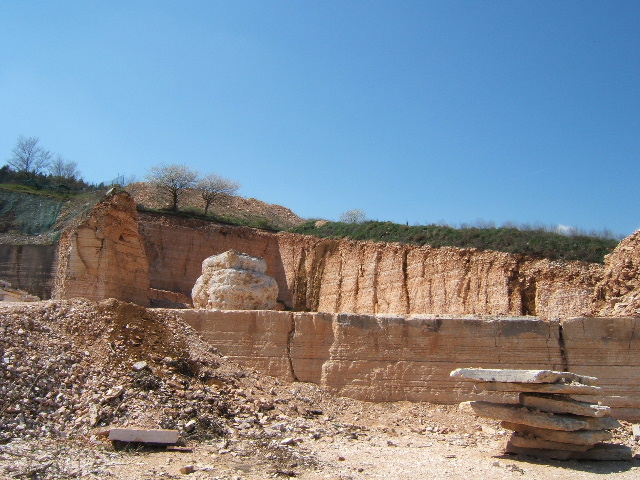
x: 413, y: 111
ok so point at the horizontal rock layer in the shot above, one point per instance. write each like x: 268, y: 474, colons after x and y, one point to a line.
x: 391, y: 357
x: 324, y: 275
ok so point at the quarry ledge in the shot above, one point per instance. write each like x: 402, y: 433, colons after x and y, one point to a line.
x: 384, y: 358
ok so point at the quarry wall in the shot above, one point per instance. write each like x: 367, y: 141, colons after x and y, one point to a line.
x: 29, y: 267
x: 392, y: 358
x: 364, y: 277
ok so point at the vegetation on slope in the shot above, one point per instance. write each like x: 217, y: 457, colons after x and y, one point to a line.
x: 537, y: 243
x: 253, y: 221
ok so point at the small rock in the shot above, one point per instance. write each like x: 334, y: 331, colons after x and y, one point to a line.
x: 190, y: 425
x: 187, y: 469
x: 288, y: 441
x: 138, y: 366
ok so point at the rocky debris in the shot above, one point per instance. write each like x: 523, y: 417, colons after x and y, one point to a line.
x: 82, y: 356
x: 235, y: 281
x: 618, y: 292
x: 549, y: 425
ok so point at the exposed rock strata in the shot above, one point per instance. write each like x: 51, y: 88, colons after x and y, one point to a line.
x: 103, y: 256
x: 389, y: 358
x: 373, y: 278
x: 29, y: 267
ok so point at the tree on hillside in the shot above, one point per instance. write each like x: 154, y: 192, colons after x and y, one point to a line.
x: 61, y: 168
x: 353, y: 216
x: 28, y: 157
x: 172, y: 179
x: 212, y: 186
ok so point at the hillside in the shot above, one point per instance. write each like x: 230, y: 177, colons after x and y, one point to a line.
x: 227, y: 209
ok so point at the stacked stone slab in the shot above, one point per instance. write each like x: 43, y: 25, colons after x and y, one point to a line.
x: 547, y: 421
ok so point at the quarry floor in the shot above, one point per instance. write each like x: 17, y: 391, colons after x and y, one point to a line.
x: 353, y: 440
x: 81, y: 353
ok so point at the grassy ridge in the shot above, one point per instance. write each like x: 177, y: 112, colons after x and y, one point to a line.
x: 537, y: 243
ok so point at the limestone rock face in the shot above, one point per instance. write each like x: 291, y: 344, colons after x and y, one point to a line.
x: 331, y: 276
x: 103, y: 256
x: 235, y: 281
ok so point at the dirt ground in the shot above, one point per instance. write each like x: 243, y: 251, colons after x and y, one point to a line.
x: 350, y: 440
x: 70, y: 370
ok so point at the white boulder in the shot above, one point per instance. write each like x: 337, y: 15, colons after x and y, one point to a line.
x: 234, y: 281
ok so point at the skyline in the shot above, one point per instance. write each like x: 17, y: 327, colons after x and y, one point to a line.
x: 414, y: 112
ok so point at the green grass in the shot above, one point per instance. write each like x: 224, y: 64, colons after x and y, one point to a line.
x: 538, y: 243
x: 61, y: 196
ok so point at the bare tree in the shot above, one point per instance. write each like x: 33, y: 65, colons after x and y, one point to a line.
x: 353, y: 216
x: 212, y: 186
x: 172, y: 179
x: 29, y: 157
x: 64, y: 169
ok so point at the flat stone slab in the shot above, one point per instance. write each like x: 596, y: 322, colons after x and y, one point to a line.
x: 600, y: 452
x: 561, y: 388
x: 553, y: 421
x: 164, y: 437
x: 521, y: 376
x: 560, y: 404
x: 579, y: 437
x: 521, y: 441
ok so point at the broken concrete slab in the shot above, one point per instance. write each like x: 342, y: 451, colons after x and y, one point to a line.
x: 521, y: 376
x: 579, y: 437
x: 600, y: 452
x: 522, y: 441
x: 561, y: 404
x: 561, y: 388
x: 160, y: 437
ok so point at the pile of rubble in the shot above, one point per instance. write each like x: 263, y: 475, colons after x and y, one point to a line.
x: 547, y: 422
x: 72, y: 370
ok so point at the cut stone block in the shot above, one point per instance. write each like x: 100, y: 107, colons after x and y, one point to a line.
x: 553, y: 421
x: 518, y: 440
x: 559, y: 404
x: 601, y: 452
x: 165, y: 437
x: 579, y: 437
x: 520, y: 414
x: 521, y: 376
x: 562, y: 388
